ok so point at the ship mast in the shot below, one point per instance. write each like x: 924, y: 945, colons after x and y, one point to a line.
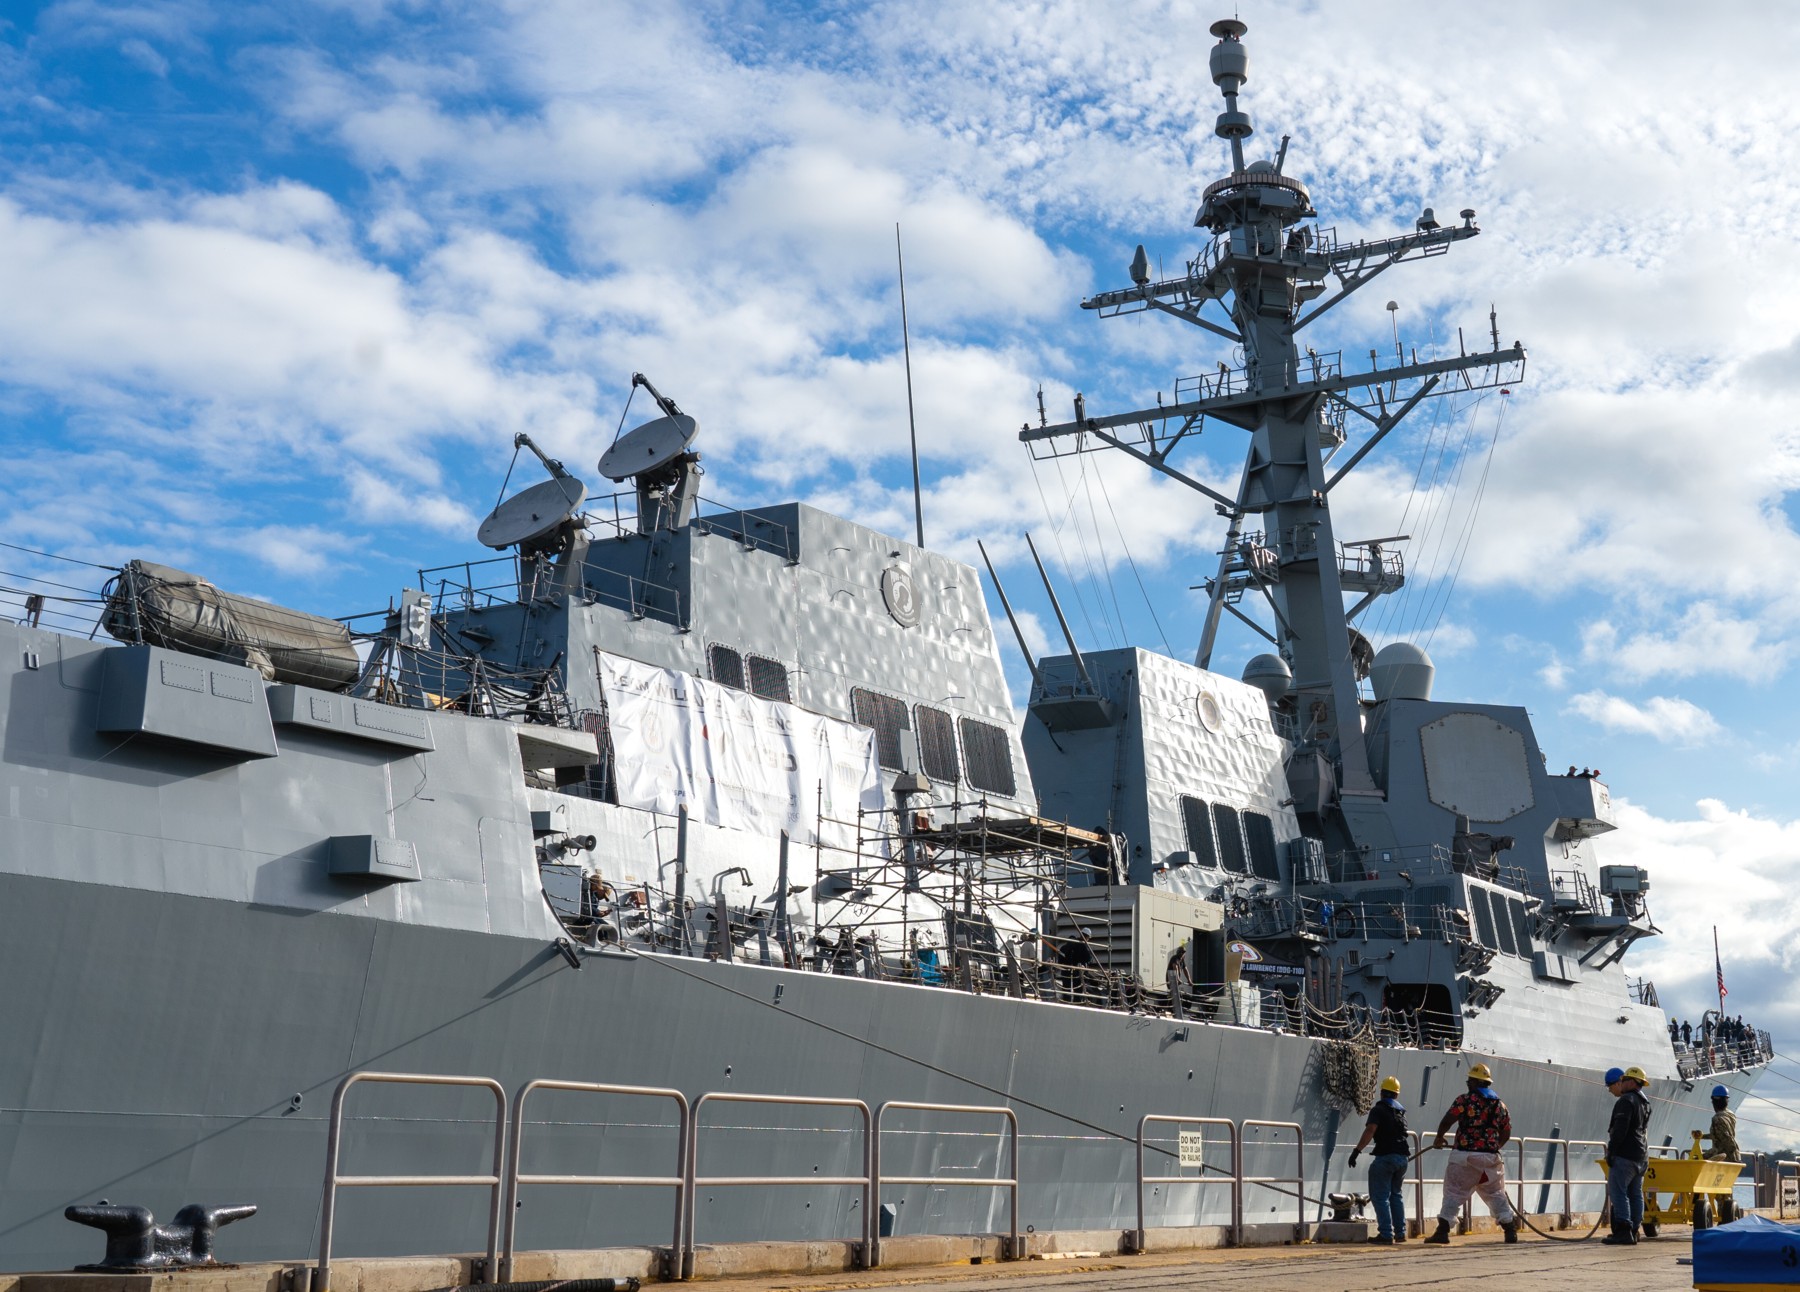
x: 1271, y: 273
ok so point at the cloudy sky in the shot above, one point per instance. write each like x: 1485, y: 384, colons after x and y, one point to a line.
x: 281, y: 282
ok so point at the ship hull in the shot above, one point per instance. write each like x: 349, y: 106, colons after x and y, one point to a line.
x: 155, y: 1044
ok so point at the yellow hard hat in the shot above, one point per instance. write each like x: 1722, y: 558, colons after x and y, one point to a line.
x: 1391, y: 1085
x: 1635, y: 1073
x: 1480, y: 1073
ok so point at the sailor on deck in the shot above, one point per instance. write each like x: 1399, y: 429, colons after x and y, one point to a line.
x: 1483, y: 1126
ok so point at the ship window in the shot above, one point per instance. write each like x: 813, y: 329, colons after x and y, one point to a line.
x: 727, y: 667
x: 1197, y: 817
x: 989, y: 754
x: 887, y: 716
x: 1260, y: 832
x: 1484, y: 916
x: 1503, y: 925
x: 1521, y: 925
x: 937, y: 744
x: 1231, y: 838
x: 768, y: 678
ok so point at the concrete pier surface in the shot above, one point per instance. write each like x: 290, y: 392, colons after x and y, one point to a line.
x: 1068, y: 1261
x: 1531, y: 1265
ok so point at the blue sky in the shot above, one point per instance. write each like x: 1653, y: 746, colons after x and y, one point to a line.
x: 282, y: 282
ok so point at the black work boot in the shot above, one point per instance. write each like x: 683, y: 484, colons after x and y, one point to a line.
x: 1442, y: 1233
x: 1511, y: 1230
x: 1621, y: 1236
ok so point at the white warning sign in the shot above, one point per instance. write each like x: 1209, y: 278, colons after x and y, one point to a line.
x: 1191, y: 1145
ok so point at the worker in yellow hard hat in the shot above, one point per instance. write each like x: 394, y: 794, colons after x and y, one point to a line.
x: 1387, y: 1169
x: 1483, y: 1126
x: 1627, y: 1153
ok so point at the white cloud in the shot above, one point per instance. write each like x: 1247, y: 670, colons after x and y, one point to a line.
x: 280, y: 330
x: 1705, y: 641
x: 1669, y: 719
x: 385, y: 501
x: 306, y: 551
x: 141, y: 52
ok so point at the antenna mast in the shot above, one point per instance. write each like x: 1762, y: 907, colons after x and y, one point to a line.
x: 1267, y: 272
x: 912, y: 428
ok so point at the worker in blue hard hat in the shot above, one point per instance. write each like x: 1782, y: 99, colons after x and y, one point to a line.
x: 1387, y: 1169
x: 1627, y: 1153
x: 1723, y: 1135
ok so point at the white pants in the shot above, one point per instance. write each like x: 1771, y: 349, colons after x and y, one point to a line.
x: 1483, y: 1173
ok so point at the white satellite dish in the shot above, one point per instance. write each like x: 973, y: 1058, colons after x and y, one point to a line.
x: 648, y: 447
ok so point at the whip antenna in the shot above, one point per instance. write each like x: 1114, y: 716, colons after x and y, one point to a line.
x: 912, y: 428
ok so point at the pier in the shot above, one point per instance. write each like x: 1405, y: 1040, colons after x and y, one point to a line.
x: 970, y: 1264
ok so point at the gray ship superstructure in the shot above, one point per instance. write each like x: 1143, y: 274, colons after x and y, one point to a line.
x: 736, y: 800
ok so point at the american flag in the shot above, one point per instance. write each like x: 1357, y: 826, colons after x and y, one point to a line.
x: 1719, y: 967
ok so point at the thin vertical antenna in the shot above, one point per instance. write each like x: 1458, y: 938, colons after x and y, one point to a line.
x: 1074, y: 650
x: 1007, y: 606
x: 912, y: 426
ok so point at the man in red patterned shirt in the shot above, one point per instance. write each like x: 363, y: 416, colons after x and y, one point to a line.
x: 1482, y: 1128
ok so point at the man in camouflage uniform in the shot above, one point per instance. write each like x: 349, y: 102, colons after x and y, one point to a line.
x: 1723, y: 1135
x: 1483, y: 1126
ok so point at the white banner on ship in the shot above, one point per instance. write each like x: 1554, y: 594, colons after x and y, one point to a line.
x: 733, y: 759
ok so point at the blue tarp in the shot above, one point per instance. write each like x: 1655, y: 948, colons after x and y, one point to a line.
x: 1751, y: 1250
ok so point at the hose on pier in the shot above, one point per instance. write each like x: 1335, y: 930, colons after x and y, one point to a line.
x: 558, y: 1285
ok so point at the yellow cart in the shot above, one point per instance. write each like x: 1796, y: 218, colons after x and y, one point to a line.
x: 1688, y: 1190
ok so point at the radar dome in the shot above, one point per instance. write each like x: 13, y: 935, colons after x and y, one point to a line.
x: 1269, y: 674
x: 1402, y: 671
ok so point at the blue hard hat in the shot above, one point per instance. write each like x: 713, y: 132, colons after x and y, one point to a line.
x: 1719, y: 1092
x: 1612, y: 1075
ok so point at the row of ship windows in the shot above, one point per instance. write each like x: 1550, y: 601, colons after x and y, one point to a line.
x: 986, y: 751
x: 985, y: 747
x: 756, y: 674
x: 1224, y: 838
x: 1501, y: 922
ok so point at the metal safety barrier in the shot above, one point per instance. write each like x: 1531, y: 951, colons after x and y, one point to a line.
x: 1553, y: 1177
x: 1556, y: 1148
x: 1418, y: 1182
x: 1298, y: 1179
x: 321, y: 1275
x: 1785, y: 1171
x: 1015, y: 1249
x: 694, y: 1179
x: 1235, y: 1179
x: 515, y: 1152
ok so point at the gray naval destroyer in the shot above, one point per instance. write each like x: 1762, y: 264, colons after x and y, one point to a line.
x: 738, y: 801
